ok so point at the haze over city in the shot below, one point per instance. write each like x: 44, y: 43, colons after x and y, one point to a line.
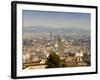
x: 51, y: 19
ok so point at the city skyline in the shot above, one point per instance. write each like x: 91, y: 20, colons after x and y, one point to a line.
x: 55, y: 39
x: 49, y: 19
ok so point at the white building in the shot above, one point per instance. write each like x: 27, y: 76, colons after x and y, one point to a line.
x: 79, y: 56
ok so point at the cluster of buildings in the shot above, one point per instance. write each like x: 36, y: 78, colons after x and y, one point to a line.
x: 37, y: 49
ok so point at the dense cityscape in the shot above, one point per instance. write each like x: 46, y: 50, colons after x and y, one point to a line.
x: 37, y: 47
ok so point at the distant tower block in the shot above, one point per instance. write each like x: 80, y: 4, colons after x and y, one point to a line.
x: 61, y: 47
x: 51, y: 35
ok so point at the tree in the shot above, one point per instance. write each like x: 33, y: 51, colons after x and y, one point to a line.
x: 54, y: 61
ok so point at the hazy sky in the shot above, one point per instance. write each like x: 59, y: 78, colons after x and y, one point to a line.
x: 56, y: 19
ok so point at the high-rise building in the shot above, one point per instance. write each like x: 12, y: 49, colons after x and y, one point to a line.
x: 51, y: 35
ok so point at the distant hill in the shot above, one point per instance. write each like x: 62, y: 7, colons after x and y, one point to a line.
x: 57, y: 31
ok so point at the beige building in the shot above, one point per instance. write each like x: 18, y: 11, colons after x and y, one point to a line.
x: 61, y: 46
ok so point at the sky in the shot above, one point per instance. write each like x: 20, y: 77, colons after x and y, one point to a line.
x: 50, y: 19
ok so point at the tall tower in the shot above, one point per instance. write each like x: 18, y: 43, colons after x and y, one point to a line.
x: 51, y: 35
x: 61, y: 46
